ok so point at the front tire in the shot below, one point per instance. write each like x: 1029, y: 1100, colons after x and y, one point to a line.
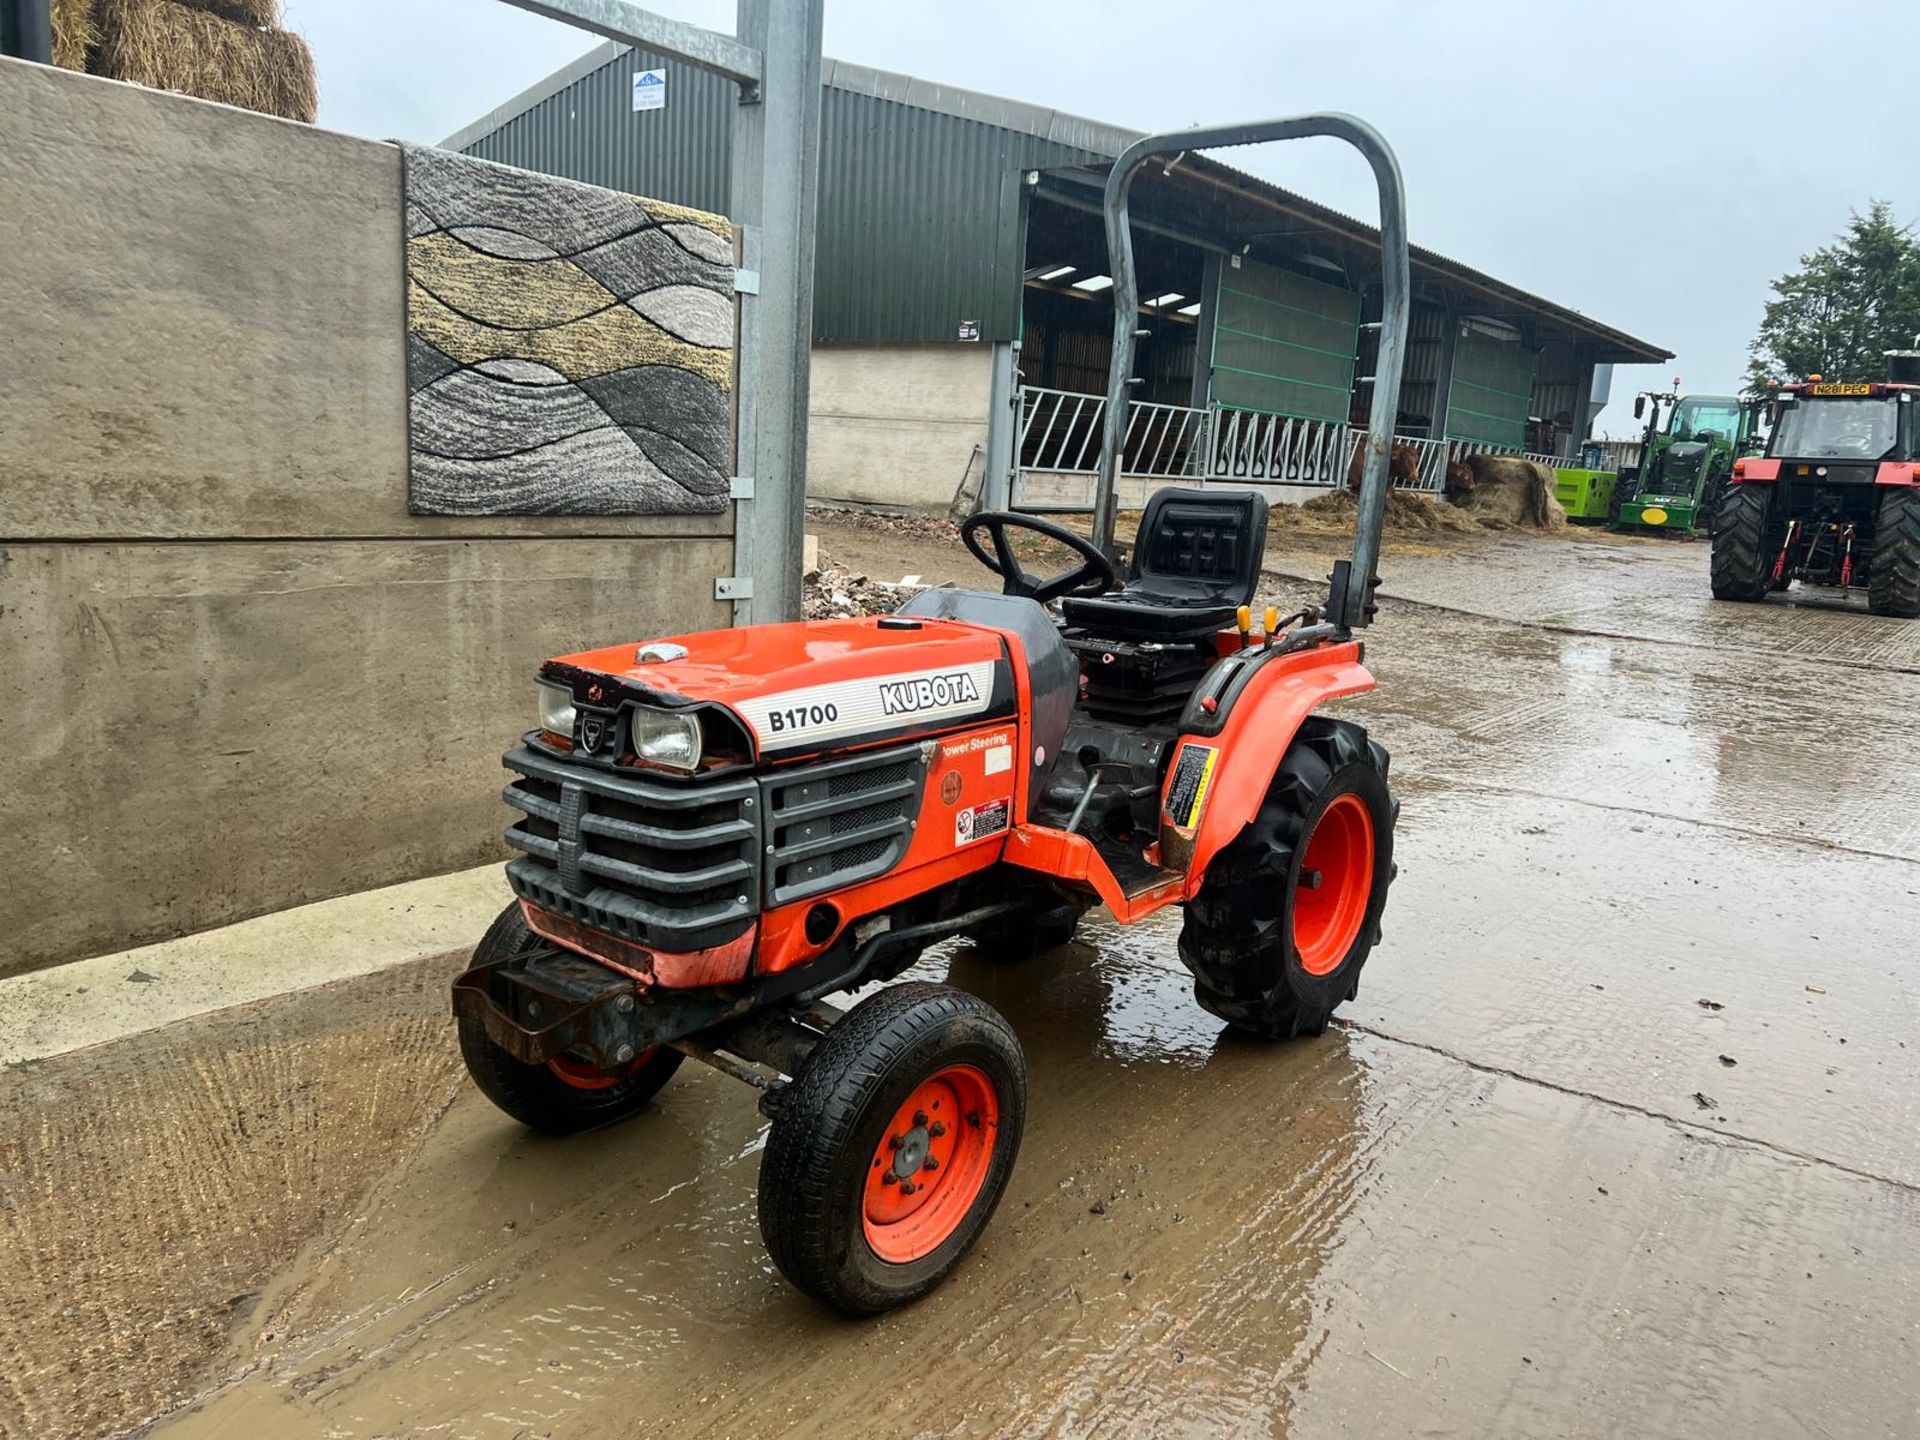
x: 1626, y: 485
x: 1893, y: 584
x: 1741, y: 565
x: 892, y: 1146
x: 1712, y: 494
x: 565, y: 1095
x: 1290, y: 910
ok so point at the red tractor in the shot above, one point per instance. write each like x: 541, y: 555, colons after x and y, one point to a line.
x: 718, y: 831
x: 1835, y: 500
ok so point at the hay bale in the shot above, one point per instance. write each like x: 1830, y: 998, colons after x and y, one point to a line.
x: 167, y: 45
x: 74, y: 35
x: 1508, y: 491
x: 260, y: 14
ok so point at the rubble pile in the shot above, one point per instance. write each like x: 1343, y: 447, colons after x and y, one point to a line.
x: 833, y: 592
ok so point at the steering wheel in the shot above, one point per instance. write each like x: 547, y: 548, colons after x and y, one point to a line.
x: 1092, y: 576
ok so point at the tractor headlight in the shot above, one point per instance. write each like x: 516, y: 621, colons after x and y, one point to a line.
x: 556, y: 710
x: 661, y: 737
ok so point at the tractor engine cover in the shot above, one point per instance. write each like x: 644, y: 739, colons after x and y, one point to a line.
x: 819, y: 744
x: 808, y: 686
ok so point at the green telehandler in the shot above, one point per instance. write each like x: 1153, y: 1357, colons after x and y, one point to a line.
x: 1684, y: 464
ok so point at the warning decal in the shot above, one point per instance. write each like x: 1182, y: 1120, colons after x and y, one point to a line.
x: 1187, y: 790
x: 981, y: 821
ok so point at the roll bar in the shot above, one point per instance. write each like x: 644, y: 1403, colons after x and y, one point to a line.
x: 1350, y: 599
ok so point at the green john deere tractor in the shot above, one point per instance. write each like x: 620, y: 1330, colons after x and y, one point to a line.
x: 1684, y: 465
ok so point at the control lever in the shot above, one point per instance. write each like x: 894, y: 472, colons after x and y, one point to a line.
x: 1092, y: 766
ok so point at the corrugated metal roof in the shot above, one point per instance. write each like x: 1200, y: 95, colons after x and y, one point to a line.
x: 920, y: 206
x: 1432, y: 261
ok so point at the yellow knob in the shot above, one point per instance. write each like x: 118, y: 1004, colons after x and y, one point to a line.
x: 1271, y: 621
x: 1245, y: 616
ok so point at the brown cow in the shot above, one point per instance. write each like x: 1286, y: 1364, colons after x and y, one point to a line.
x: 1403, y: 466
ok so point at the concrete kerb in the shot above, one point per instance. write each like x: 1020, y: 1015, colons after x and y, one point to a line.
x: 108, y: 998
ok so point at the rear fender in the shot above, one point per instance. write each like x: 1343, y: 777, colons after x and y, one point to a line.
x: 1218, y: 779
x: 1897, y: 472
x: 1754, y: 469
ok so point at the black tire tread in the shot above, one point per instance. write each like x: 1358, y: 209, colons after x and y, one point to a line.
x: 1740, y: 551
x: 1233, y: 955
x: 816, y: 1118
x: 1893, y: 582
x: 1625, y: 488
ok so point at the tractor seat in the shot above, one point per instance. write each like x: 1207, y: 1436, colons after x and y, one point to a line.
x: 1195, y: 562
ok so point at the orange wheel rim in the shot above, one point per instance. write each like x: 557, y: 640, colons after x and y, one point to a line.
x: 1327, y: 917
x: 931, y: 1164
x: 582, y: 1076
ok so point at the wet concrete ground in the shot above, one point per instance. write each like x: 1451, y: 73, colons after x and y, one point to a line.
x: 1619, y: 1138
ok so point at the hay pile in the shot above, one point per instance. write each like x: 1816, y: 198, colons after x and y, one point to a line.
x: 1510, y: 493
x: 230, y: 51
x: 1407, y: 513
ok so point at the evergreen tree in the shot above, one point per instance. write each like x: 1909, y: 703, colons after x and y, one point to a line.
x: 1848, y: 302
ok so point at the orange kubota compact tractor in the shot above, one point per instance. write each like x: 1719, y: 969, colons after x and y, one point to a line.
x: 719, y: 830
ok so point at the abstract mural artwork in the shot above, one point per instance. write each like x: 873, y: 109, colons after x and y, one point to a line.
x: 569, y: 349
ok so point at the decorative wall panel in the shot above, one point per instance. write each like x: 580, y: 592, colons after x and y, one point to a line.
x: 569, y: 349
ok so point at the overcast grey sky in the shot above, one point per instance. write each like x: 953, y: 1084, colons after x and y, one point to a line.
x: 1653, y: 165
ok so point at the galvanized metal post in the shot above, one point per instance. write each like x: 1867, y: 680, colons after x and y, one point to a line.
x: 1204, y: 331
x: 775, y: 197
x: 735, y: 57
x: 1349, y: 603
x: 1443, y: 376
x: 773, y: 201
x: 1003, y: 419
x: 1581, y: 412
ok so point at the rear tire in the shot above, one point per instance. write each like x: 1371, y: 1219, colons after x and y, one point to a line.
x: 1265, y: 959
x: 1742, y: 558
x: 1893, y: 584
x: 564, y: 1096
x: 929, y: 1066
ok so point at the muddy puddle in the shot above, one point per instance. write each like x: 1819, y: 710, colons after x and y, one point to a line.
x: 1356, y: 1240
x: 1492, y: 1204
x: 1616, y: 1140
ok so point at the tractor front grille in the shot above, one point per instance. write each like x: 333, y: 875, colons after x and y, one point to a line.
x: 840, y: 821
x: 670, y: 864
x: 685, y: 864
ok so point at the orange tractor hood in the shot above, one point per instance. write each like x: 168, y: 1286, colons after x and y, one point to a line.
x: 807, y: 683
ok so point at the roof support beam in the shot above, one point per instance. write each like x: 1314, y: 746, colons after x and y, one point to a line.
x: 630, y: 25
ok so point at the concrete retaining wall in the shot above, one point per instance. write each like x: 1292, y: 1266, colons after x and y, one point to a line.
x: 238, y: 675
x: 895, y: 425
